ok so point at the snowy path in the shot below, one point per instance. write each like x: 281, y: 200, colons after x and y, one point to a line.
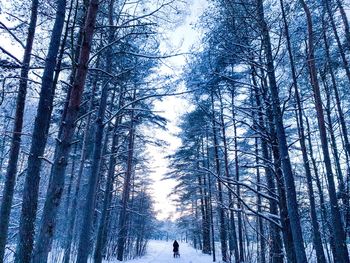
x: 161, y: 252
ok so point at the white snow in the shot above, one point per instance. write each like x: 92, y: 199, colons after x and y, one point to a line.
x: 157, y: 252
x: 161, y: 252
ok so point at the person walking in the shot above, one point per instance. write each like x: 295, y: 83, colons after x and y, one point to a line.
x: 176, y: 249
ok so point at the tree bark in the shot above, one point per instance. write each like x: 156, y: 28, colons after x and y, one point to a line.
x: 39, y: 139
x: 102, y: 230
x: 327, y: 226
x: 276, y: 255
x: 56, y: 185
x: 260, y: 224
x: 315, y: 226
x: 338, y: 231
x: 210, y: 197
x: 222, y: 217
x: 203, y: 208
x: 232, y: 224
x: 282, y: 142
x: 241, y: 253
x: 103, y: 225
x: 11, y: 171
x: 123, y: 216
x: 82, y: 162
x: 287, y: 231
x: 341, y: 185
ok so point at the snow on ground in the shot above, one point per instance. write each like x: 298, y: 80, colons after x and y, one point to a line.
x: 157, y: 252
x: 161, y: 252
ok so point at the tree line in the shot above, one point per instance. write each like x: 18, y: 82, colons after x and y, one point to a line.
x: 74, y: 111
x: 264, y: 164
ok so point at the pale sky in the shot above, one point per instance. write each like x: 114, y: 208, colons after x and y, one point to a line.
x: 182, y: 38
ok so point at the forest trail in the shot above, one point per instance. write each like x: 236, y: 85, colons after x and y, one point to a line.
x: 161, y: 252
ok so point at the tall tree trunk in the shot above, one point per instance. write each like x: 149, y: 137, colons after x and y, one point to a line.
x: 68, y: 194
x: 338, y: 231
x: 222, y: 217
x: 39, y: 139
x: 327, y: 226
x: 103, y: 226
x: 282, y: 142
x: 341, y: 185
x: 210, y: 197
x: 123, y: 216
x: 261, y: 237
x: 56, y: 185
x: 237, y: 175
x: 89, y: 207
x: 11, y: 171
x: 286, y: 227
x: 82, y: 162
x: 317, y: 241
x: 276, y: 255
x: 287, y: 231
x: 315, y: 226
x: 232, y: 223
x: 203, y: 208
x: 87, y: 137
x: 206, y: 232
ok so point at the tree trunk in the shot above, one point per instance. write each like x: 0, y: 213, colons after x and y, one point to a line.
x: 68, y: 192
x: 73, y: 212
x: 317, y: 241
x: 210, y: 198
x: 287, y: 231
x: 260, y: 234
x: 327, y: 226
x: 86, y: 138
x: 11, y: 171
x: 222, y: 217
x: 102, y: 230
x: 206, y: 207
x: 338, y: 231
x: 123, y: 216
x: 315, y: 226
x: 276, y: 255
x: 232, y: 233
x: 39, y: 139
x: 282, y: 142
x: 341, y: 185
x: 56, y: 185
x: 205, y: 226
x: 241, y: 254
x: 103, y: 226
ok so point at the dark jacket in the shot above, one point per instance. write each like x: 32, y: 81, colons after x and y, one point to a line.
x: 175, y: 246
